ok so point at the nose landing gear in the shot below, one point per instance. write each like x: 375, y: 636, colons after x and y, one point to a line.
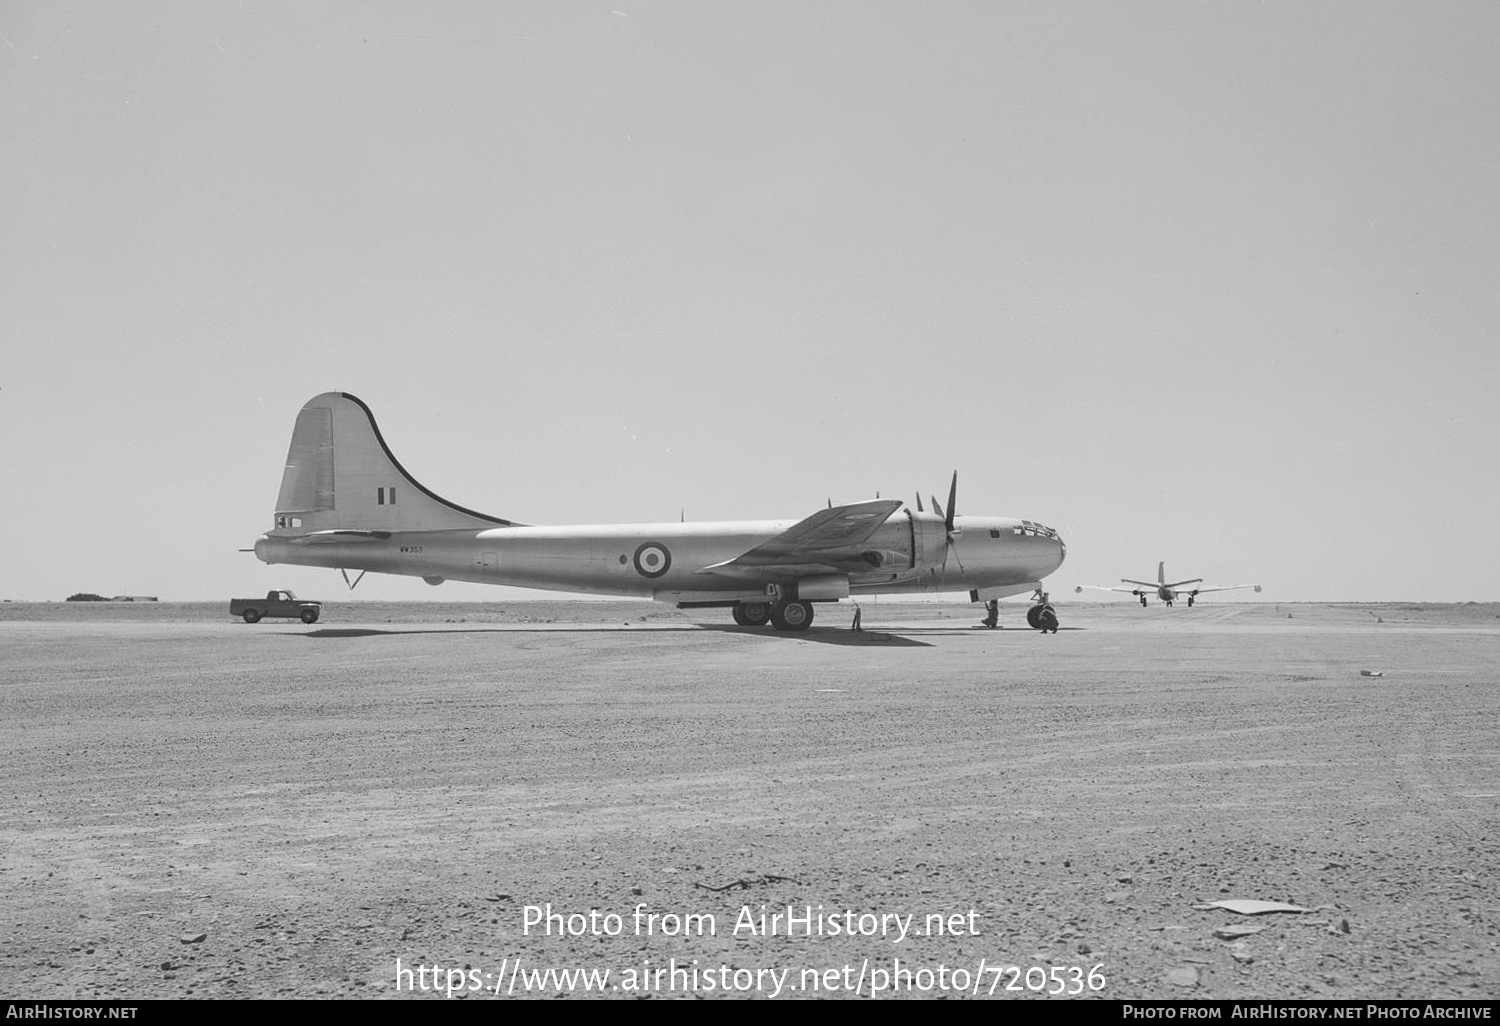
x: 1042, y: 616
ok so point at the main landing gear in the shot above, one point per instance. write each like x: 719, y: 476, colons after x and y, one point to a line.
x: 752, y: 614
x: 784, y: 616
x: 792, y: 616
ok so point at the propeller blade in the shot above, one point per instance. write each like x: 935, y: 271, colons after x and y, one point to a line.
x: 952, y: 503
x: 919, y: 509
x: 935, y: 507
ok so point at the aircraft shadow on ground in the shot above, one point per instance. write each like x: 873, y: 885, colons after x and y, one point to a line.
x: 374, y: 632
x: 823, y: 635
x: 976, y: 629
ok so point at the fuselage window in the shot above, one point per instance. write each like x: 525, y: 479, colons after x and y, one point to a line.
x: 380, y: 496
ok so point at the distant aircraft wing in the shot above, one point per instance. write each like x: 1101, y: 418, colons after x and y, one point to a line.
x: 1226, y: 587
x: 1105, y: 587
x: 829, y: 539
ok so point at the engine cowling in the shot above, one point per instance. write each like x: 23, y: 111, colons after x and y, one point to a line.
x: 929, y: 539
x: 823, y: 587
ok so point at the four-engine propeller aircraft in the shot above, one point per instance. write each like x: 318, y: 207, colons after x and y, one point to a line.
x: 348, y: 504
x: 1168, y: 593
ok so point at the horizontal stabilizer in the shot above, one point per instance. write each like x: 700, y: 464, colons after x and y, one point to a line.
x: 323, y: 537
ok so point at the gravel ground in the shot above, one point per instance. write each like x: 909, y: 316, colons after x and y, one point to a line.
x: 198, y: 807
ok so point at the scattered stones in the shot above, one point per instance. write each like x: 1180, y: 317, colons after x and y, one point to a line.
x: 1236, y: 932
x: 1183, y: 976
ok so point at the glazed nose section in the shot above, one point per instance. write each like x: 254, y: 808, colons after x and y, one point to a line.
x: 1061, y: 553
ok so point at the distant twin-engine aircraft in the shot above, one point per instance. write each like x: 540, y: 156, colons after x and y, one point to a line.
x: 346, y: 503
x: 1168, y: 593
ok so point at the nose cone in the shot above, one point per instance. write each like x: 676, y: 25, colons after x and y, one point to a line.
x: 1060, y: 553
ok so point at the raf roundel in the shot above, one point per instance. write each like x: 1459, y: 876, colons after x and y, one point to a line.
x: 652, y: 559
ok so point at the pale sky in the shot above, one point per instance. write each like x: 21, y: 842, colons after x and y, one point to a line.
x: 1215, y: 284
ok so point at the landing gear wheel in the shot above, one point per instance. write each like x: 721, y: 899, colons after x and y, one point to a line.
x: 1034, y: 617
x: 1190, y: 602
x: 792, y: 616
x: 252, y: 616
x: 309, y: 616
x: 1047, y: 620
x: 752, y: 614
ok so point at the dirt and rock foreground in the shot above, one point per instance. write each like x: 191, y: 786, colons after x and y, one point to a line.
x: 206, y: 808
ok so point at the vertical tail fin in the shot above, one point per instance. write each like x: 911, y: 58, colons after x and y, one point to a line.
x: 340, y: 475
x: 1161, y: 572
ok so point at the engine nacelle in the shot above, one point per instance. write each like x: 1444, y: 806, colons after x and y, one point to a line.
x: 823, y: 588
x: 929, y: 538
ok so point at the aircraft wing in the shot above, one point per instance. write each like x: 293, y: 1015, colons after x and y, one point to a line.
x: 1226, y: 587
x: 1105, y: 587
x: 829, y: 539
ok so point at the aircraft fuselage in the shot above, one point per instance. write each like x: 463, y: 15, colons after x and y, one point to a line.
x: 674, y: 561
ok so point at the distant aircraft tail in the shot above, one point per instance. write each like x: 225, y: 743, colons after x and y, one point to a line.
x: 341, y: 476
x: 1161, y: 572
